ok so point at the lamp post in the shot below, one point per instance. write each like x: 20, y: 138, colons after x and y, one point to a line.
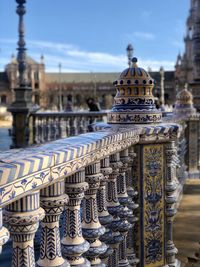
x: 129, y: 51
x: 162, y: 88
x: 60, y: 89
x: 22, y: 104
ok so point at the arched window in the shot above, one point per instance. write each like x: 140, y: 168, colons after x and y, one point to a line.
x: 3, y: 99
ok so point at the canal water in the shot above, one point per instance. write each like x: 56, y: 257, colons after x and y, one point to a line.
x: 5, y: 139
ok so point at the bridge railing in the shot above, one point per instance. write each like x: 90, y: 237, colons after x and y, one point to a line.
x: 113, y: 186
x: 49, y: 126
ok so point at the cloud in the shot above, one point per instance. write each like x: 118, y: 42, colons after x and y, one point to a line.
x: 144, y: 35
x: 74, y: 59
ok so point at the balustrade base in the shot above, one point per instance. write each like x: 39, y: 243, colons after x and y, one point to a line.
x: 48, y: 264
x: 68, y: 250
x: 123, y: 263
x: 108, y: 252
x: 194, y: 175
x: 177, y: 263
x: 85, y: 263
x: 98, y: 264
x: 133, y: 263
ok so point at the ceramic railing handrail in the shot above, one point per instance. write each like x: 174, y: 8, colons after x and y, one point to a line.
x: 23, y: 170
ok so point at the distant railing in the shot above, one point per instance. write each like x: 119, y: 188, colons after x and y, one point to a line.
x: 49, y: 126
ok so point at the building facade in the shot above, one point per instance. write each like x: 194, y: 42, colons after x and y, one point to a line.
x: 54, y: 90
x: 187, y: 68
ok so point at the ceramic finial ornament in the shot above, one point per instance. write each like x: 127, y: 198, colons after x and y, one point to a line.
x: 134, y: 101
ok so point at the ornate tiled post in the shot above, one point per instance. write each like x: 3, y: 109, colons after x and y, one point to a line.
x: 104, y: 217
x: 134, y: 104
x: 184, y: 110
x: 92, y: 229
x: 170, y: 188
x: 115, y: 209
x: 22, y: 218
x: 23, y: 103
x: 73, y: 243
x: 124, y: 201
x: 53, y: 200
x: 4, y: 234
x: 131, y: 254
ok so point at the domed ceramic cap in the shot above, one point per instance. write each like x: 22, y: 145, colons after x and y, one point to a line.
x: 134, y: 101
x: 184, y: 103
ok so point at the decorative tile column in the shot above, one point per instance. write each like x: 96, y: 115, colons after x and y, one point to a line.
x: 104, y: 217
x: 115, y: 209
x: 4, y: 234
x: 52, y: 200
x: 170, y: 188
x: 124, y: 201
x: 22, y: 218
x: 131, y: 237
x: 92, y: 229
x: 151, y: 189
x: 73, y: 243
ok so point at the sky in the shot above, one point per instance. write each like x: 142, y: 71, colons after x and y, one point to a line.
x: 92, y: 35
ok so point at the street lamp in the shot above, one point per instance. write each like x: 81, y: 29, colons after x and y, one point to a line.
x: 162, y: 89
x: 129, y: 51
x: 60, y: 89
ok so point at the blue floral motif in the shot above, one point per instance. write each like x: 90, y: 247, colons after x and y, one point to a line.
x: 12, y: 195
x: 23, y: 182
x: 34, y: 185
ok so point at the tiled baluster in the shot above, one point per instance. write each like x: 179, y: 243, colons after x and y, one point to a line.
x: 170, y: 188
x: 73, y: 243
x: 48, y: 129
x: 92, y: 229
x: 53, y: 132
x: 114, y: 209
x: 33, y: 128
x: 43, y: 121
x: 72, y: 124
x: 4, y: 234
x: 45, y: 129
x: 133, y: 260
x: 36, y: 136
x: 22, y: 218
x: 104, y: 217
x: 124, y: 201
x: 57, y: 128
x: 81, y: 125
x: 39, y: 130
x: 62, y: 123
x: 85, y: 128
x: 67, y: 120
x: 53, y: 200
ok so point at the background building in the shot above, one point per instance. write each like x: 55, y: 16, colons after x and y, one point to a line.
x: 49, y: 89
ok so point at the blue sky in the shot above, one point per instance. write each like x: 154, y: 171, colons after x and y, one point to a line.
x: 92, y: 35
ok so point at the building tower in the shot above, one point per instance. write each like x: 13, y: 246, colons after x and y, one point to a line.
x: 187, y: 68
x: 184, y: 63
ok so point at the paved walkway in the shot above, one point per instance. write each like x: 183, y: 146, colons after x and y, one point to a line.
x: 187, y: 225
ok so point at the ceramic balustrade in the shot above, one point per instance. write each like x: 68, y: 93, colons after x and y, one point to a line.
x: 46, y: 126
x: 100, y: 170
